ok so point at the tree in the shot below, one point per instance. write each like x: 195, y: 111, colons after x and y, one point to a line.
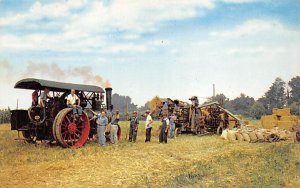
x: 257, y: 110
x: 275, y: 97
x: 220, y: 98
x: 5, y: 116
x: 241, y: 105
x: 294, y: 84
x: 295, y: 108
x: 123, y: 103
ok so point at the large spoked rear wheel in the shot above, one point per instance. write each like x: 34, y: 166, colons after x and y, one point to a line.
x: 68, y: 132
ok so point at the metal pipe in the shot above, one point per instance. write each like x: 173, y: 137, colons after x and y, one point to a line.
x: 108, y: 98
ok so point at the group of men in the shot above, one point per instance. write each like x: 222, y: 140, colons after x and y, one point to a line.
x: 167, y: 124
x: 102, y: 121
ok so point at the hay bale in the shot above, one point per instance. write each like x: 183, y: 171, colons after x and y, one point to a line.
x: 253, y: 137
x: 269, y: 122
x: 239, y: 136
x: 224, y: 134
x: 293, y: 136
x: 288, y: 118
x: 269, y: 118
x: 286, y: 125
x: 274, y: 111
x: 231, y: 135
x: 246, y: 136
x: 284, y: 135
x: 260, y: 136
x: 283, y: 112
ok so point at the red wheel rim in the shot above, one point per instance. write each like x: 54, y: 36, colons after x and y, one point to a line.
x: 69, y: 132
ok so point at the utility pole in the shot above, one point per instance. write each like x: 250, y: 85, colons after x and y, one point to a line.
x: 214, y: 90
x: 17, y: 104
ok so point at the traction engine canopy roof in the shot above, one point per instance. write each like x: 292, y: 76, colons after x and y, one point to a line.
x: 32, y: 83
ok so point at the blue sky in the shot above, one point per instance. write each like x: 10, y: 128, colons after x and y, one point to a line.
x: 145, y: 48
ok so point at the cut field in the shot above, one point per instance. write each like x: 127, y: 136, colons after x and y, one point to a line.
x: 187, y: 161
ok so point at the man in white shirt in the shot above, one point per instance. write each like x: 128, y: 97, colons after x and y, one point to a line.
x: 148, y: 126
x: 71, y: 102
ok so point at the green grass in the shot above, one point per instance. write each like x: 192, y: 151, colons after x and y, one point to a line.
x: 272, y: 166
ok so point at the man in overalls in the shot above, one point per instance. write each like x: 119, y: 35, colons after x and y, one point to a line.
x: 163, y: 136
x: 134, y: 125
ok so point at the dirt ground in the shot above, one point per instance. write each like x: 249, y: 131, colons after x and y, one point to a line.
x: 187, y: 161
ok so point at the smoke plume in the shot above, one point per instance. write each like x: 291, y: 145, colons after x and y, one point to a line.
x: 52, y: 72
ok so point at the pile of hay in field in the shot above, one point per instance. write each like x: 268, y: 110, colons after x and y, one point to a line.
x: 254, y: 135
x: 280, y: 118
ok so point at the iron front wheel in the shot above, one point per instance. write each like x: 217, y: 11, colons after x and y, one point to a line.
x: 69, y: 130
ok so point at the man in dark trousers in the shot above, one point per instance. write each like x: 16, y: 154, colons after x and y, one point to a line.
x: 134, y: 125
x: 148, y: 126
x: 163, y: 136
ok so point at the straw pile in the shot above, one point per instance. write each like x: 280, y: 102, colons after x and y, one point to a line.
x: 280, y: 118
x: 258, y: 135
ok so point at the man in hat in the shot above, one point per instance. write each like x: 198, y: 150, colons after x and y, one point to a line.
x: 114, y: 128
x: 172, y: 125
x: 148, y: 126
x: 163, y: 136
x: 134, y: 125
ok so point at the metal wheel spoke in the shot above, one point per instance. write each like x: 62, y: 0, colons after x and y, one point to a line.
x: 78, y: 131
x: 78, y: 136
x: 65, y: 136
x: 72, y: 143
x: 69, y: 121
x: 69, y: 138
x: 74, y: 138
x: 64, y: 121
x: 65, y: 132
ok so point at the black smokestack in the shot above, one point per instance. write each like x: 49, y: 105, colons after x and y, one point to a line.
x: 108, y: 98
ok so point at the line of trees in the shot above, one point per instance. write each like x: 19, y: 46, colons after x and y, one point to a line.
x: 5, y: 116
x: 123, y: 103
x: 279, y: 95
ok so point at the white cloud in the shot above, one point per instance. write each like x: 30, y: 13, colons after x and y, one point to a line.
x: 130, y: 47
x: 136, y: 16
x: 256, y: 50
x: 38, y: 11
x: 251, y: 27
x: 239, y: 1
x: 91, y: 27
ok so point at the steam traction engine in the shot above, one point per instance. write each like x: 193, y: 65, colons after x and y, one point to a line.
x: 56, y: 123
